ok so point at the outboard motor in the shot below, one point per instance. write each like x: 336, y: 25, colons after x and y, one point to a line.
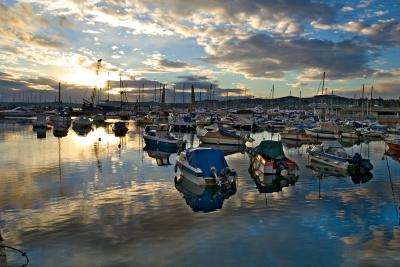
x: 226, y: 174
x: 214, y: 172
x: 357, y: 159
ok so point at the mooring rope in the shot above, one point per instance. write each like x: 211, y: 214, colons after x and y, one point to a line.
x: 23, y: 254
x: 393, y: 193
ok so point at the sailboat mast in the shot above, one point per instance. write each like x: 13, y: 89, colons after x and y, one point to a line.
x: 59, y: 96
x: 362, y: 104
x: 108, y: 88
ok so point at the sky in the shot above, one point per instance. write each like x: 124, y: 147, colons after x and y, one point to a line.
x: 234, y: 46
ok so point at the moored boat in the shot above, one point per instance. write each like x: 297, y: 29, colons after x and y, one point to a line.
x: 268, y: 158
x: 332, y: 153
x: 40, y: 122
x: 393, y: 144
x: 205, y: 166
x: 119, y: 128
x: 158, y: 137
x: 295, y: 134
x: 222, y: 136
x: 17, y: 112
x: 81, y: 122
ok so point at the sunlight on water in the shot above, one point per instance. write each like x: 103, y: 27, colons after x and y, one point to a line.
x: 100, y: 200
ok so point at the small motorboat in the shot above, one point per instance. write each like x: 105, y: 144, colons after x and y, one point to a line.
x: 393, y: 144
x: 119, y: 128
x: 40, y: 122
x: 326, y: 130
x: 205, y: 166
x: 144, y: 120
x: 333, y: 154
x: 268, y: 158
x: 222, y: 136
x: 322, y: 134
x: 81, y: 122
x: 159, y: 137
x: 17, y: 112
x: 295, y: 134
x: 99, y: 119
x: 348, y: 132
x: 181, y: 122
x: 369, y: 132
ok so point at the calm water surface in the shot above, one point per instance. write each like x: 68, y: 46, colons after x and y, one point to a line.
x: 100, y: 200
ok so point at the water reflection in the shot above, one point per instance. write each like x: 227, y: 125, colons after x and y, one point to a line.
x: 82, y: 131
x: 40, y: 133
x: 161, y: 157
x: 203, y: 198
x: 325, y: 171
x: 272, y: 183
x: 67, y: 201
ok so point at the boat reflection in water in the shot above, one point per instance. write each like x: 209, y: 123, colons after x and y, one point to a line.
x: 228, y: 149
x: 325, y: 171
x: 83, y: 131
x: 161, y: 157
x: 201, y: 197
x: 269, y: 183
x: 40, y: 132
x: 60, y: 132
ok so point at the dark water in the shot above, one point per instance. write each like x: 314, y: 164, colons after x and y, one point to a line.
x: 85, y: 201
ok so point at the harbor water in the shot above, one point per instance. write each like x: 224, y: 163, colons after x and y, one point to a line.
x: 102, y: 200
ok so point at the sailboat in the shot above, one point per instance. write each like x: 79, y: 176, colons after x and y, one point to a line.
x: 61, y: 121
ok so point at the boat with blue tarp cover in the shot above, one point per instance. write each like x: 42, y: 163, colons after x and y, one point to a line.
x: 204, y: 166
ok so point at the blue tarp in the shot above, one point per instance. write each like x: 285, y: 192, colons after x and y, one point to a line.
x: 206, y: 158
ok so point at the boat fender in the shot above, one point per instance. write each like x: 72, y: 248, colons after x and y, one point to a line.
x: 284, y: 172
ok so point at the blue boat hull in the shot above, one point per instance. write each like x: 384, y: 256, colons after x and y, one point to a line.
x: 159, y: 145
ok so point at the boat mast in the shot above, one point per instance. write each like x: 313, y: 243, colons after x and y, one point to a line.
x: 108, y: 87
x: 59, y: 96
x: 362, y: 104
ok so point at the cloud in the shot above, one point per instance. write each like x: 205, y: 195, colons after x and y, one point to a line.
x: 262, y: 56
x: 21, y: 26
x: 159, y: 63
x: 383, y: 32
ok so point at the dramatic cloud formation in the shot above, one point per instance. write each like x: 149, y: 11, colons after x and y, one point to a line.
x: 252, y: 43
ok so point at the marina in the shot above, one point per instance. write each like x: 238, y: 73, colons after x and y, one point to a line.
x: 199, y: 133
x: 92, y: 190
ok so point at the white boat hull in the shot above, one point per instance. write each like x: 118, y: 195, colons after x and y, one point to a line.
x: 221, y: 141
x: 298, y: 137
x: 322, y: 135
x: 336, y: 164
